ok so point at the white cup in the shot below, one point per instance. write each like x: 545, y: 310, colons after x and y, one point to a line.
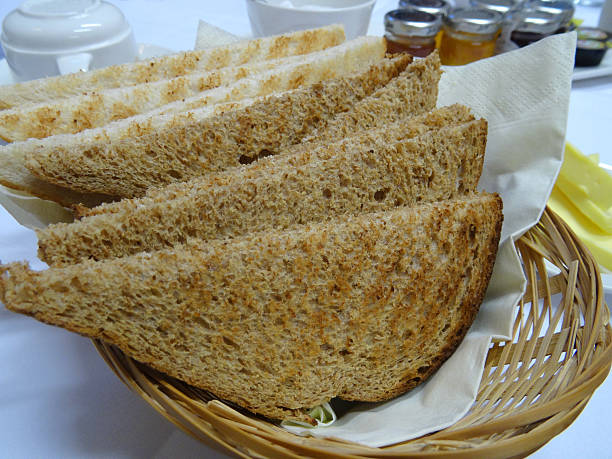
x: 272, y: 17
x: 51, y: 37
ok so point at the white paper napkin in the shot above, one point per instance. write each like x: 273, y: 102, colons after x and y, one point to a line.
x: 524, y: 95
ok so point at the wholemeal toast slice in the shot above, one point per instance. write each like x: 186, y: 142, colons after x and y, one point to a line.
x: 363, y: 308
x: 427, y: 159
x: 178, y: 147
x: 117, y: 76
x: 411, y: 93
x: 15, y: 175
x: 77, y: 113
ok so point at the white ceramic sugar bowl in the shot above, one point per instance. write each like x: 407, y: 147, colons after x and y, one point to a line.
x: 51, y: 37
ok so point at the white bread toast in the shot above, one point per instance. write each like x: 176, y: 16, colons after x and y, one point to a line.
x: 91, y: 110
x: 165, y: 67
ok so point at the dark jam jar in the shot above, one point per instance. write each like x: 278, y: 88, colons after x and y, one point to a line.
x: 533, y: 25
x: 411, y: 31
x: 563, y: 9
x: 469, y: 34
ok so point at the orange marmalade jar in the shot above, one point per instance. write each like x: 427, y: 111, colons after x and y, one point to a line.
x: 411, y: 31
x: 469, y: 35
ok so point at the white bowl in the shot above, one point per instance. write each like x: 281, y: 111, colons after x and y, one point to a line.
x: 273, y: 17
x: 50, y: 37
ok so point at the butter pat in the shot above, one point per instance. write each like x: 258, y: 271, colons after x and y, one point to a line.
x: 588, y: 187
x: 597, y: 241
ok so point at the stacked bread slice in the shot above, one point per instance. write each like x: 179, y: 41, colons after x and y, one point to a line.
x: 278, y: 250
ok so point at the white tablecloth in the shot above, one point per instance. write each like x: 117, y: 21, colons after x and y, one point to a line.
x: 57, y: 396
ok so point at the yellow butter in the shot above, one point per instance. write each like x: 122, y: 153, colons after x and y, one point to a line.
x: 597, y: 241
x: 587, y: 186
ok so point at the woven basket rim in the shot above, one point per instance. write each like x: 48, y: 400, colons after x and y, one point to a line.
x: 554, y: 372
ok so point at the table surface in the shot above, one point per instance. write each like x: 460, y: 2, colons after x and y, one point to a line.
x: 57, y: 396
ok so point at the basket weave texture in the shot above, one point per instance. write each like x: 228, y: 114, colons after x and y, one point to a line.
x: 532, y: 388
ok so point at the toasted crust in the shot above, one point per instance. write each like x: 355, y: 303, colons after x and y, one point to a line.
x: 172, y: 66
x: 404, y: 164
x: 91, y: 110
x: 281, y: 321
x: 198, y: 142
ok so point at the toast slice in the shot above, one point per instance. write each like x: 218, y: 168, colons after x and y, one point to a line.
x: 77, y: 113
x: 117, y: 76
x: 179, y: 147
x: 420, y: 160
x: 413, y: 92
x: 281, y: 321
x: 14, y: 175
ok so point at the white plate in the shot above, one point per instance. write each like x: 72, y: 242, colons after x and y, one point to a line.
x: 603, y: 69
x: 145, y: 51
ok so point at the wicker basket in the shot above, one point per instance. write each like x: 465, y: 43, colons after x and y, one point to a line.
x: 532, y: 388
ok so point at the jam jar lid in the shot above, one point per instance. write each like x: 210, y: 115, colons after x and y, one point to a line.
x: 592, y: 33
x: 412, y: 23
x: 439, y: 7
x: 505, y: 7
x: 537, y: 21
x: 563, y: 8
x: 474, y: 20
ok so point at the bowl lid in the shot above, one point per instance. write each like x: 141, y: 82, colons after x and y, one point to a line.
x: 46, y: 26
x: 474, y: 20
x: 412, y: 23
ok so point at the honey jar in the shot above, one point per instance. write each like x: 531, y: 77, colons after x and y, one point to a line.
x: 411, y: 31
x: 509, y: 9
x: 469, y: 35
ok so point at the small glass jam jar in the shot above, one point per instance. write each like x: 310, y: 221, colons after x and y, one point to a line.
x: 533, y: 25
x: 564, y: 9
x: 411, y: 31
x: 438, y: 7
x: 510, y: 9
x: 469, y: 35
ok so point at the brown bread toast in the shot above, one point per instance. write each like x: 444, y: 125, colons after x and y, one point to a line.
x: 179, y: 147
x: 280, y: 321
x: 428, y: 158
